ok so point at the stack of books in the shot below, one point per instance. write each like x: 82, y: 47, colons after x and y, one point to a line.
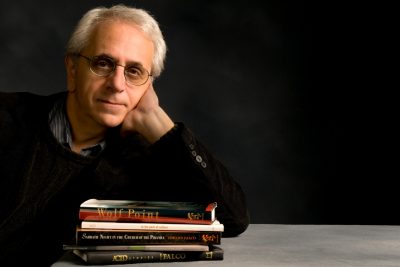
x: 129, y: 231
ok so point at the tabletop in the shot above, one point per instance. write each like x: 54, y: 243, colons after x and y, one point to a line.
x: 297, y: 245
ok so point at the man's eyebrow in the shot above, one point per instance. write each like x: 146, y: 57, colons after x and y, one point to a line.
x: 105, y: 55
x: 129, y: 63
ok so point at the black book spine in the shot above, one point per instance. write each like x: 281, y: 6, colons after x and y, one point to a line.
x: 116, y: 237
x: 123, y: 257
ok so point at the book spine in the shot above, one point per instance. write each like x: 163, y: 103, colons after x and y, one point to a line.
x: 123, y: 257
x: 153, y: 226
x: 113, y: 237
x: 183, y: 247
x: 121, y: 214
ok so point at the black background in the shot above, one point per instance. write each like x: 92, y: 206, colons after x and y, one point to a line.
x: 269, y: 86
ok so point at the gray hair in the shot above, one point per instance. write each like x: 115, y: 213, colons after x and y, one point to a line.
x: 87, y: 24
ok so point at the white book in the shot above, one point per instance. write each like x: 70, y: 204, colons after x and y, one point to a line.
x: 216, y: 226
x: 185, y: 247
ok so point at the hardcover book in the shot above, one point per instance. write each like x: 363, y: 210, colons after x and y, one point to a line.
x: 184, y: 247
x: 97, y: 237
x: 216, y: 226
x: 147, y: 211
x: 123, y: 257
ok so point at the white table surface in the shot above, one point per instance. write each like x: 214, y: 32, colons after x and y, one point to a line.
x: 298, y: 245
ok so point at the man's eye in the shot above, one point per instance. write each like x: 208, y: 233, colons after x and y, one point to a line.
x: 103, y: 63
x: 134, y: 72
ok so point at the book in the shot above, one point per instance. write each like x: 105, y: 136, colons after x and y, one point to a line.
x: 86, y: 236
x: 129, y: 256
x: 184, y: 247
x: 147, y: 211
x: 215, y: 226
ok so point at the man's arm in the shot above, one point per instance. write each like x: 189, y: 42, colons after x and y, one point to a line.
x: 195, y: 174
x: 188, y: 163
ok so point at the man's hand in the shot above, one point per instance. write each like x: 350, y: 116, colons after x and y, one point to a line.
x: 147, y: 118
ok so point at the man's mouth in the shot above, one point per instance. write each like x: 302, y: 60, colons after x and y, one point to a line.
x: 111, y: 103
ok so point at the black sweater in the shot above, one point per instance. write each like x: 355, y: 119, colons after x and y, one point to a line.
x: 42, y: 183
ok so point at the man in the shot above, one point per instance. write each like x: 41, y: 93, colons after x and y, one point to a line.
x: 106, y: 137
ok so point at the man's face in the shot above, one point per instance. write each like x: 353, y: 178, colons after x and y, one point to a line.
x: 104, y: 101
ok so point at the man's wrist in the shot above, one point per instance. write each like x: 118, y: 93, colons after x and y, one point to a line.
x: 155, y: 125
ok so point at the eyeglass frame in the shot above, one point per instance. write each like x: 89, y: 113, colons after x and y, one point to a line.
x: 90, y: 60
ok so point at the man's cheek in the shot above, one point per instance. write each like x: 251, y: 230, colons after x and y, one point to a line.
x: 135, y: 98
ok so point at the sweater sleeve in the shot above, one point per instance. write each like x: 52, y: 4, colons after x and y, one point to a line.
x: 192, y: 165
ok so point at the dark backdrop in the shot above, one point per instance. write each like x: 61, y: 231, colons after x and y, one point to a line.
x: 260, y: 83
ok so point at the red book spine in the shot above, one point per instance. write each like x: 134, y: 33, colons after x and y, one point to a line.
x: 116, y: 215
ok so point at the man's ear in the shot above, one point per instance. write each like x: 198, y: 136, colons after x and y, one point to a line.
x: 70, y: 66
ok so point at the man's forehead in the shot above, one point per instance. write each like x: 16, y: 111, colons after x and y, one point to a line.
x: 121, y: 39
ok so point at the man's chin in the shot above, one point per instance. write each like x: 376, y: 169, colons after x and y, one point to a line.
x: 111, y: 121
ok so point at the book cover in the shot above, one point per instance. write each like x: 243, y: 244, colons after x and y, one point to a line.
x: 184, y: 247
x: 124, y: 257
x: 216, y: 226
x: 147, y: 211
x: 85, y: 236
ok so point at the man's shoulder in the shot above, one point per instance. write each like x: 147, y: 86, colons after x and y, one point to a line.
x: 23, y: 110
x: 19, y: 100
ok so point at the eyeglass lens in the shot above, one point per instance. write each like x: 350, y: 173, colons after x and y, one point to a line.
x: 104, y: 66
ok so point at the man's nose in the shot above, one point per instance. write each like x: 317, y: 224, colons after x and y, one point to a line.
x: 117, y: 79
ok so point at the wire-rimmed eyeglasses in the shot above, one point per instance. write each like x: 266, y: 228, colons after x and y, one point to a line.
x: 104, y: 66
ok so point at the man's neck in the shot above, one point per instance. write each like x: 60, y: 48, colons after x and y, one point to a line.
x: 84, y: 133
